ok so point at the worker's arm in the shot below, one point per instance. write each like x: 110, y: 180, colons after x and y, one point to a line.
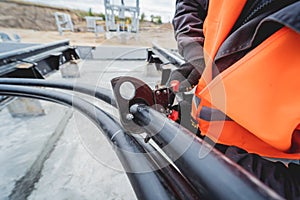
x: 188, y: 27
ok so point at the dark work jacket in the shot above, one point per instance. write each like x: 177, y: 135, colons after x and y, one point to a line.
x: 258, y: 20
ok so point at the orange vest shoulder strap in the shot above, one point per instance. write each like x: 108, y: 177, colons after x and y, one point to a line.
x: 221, y: 16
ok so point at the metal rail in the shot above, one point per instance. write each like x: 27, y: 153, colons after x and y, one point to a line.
x: 36, y: 61
x: 30, y: 51
x: 165, y: 61
x: 166, y: 56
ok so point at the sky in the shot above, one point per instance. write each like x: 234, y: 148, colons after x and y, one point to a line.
x: 163, y: 8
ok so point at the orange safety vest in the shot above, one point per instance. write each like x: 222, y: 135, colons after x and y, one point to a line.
x: 260, y: 92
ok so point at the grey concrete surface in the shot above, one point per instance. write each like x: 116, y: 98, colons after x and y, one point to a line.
x: 22, y: 141
x: 120, y: 53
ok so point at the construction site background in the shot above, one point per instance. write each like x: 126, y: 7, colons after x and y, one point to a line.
x: 37, y: 25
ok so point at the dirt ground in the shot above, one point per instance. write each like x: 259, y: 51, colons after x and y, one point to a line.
x: 36, y: 24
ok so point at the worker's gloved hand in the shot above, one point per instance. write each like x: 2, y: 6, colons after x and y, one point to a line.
x: 187, y: 75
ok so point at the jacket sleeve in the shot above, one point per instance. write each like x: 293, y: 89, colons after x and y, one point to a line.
x: 188, y: 27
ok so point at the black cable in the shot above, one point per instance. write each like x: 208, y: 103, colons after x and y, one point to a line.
x: 147, y: 183
x: 179, y: 184
x: 211, y: 173
x: 176, y: 181
x: 100, y: 93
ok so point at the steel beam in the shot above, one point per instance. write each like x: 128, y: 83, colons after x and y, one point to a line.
x: 36, y: 61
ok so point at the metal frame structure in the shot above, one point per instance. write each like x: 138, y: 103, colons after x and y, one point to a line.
x: 165, y: 60
x: 22, y: 60
x: 35, y: 61
x: 112, y: 10
x: 63, y: 22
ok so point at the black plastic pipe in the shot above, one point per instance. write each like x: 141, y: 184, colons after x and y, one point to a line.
x: 177, y: 183
x: 147, y: 183
x: 213, y: 173
x: 100, y: 93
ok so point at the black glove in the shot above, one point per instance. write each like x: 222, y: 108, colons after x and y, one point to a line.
x: 187, y: 74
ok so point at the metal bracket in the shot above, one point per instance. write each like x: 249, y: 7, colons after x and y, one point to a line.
x: 129, y: 91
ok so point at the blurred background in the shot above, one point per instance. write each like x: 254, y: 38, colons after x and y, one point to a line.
x: 34, y: 21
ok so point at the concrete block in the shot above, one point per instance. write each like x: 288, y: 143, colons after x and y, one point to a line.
x: 70, y: 70
x: 25, y: 107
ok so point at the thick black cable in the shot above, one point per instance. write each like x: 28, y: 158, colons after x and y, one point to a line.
x: 176, y: 181
x: 179, y: 184
x: 148, y: 184
x: 211, y: 172
x: 105, y: 95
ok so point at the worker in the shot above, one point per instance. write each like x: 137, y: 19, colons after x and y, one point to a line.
x: 243, y: 59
